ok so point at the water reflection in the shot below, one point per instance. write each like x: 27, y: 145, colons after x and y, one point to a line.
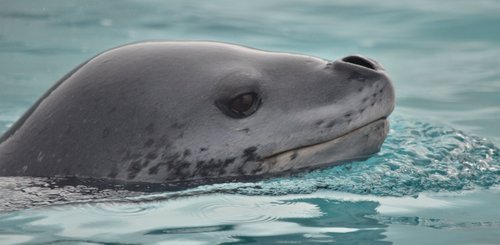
x: 322, y: 217
x: 206, y: 219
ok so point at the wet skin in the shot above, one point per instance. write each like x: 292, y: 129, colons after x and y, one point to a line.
x: 183, y: 111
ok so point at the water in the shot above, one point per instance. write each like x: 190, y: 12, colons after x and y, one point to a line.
x: 434, y: 182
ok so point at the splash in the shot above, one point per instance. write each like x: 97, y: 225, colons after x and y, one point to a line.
x: 416, y: 157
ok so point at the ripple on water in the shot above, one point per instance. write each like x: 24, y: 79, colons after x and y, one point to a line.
x: 215, y: 219
x: 123, y: 209
x: 244, y: 209
x: 241, y: 212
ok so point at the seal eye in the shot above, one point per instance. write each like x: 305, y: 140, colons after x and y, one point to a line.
x: 243, y: 105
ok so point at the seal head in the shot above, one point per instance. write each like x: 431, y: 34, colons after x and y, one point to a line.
x: 183, y: 111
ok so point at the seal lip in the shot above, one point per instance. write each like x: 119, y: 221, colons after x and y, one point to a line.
x: 326, y: 141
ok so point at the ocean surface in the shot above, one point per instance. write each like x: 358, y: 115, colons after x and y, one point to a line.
x: 435, y: 181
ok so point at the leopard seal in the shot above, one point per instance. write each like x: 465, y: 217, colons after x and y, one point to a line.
x: 164, y: 111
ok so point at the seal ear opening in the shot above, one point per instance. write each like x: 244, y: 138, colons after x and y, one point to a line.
x: 360, y: 61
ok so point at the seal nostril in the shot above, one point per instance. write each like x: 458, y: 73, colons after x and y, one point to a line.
x: 359, y: 61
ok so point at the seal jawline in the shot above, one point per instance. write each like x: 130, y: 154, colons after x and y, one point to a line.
x: 336, y: 141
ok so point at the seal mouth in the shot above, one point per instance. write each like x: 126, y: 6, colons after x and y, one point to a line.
x: 344, y: 147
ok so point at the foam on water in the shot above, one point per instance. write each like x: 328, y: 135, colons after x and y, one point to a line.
x: 416, y: 157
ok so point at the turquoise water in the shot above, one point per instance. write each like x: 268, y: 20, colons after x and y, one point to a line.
x: 434, y: 182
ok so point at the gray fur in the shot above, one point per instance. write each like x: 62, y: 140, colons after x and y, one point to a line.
x: 146, y: 112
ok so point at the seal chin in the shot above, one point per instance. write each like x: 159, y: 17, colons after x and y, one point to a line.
x: 355, y: 145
